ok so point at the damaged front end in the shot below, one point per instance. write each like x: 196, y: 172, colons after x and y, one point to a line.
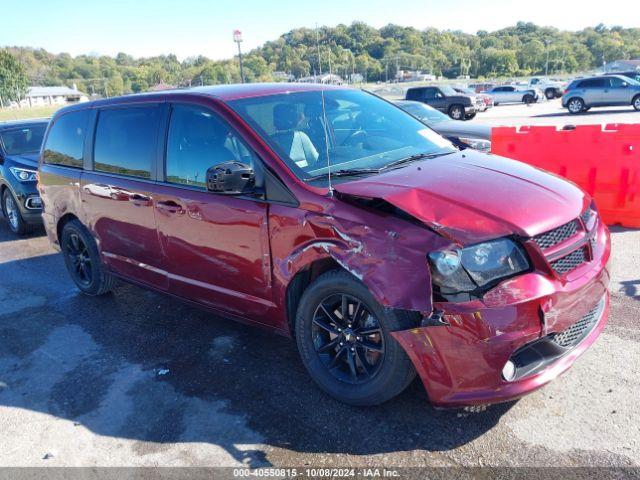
x: 519, y: 335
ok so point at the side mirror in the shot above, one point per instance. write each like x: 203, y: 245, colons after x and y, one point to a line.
x: 231, y: 178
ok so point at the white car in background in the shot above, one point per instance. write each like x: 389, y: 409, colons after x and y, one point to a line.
x: 513, y: 94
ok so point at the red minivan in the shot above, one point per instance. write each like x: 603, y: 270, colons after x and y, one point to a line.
x: 329, y: 215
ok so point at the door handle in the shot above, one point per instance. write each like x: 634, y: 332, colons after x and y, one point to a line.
x: 170, y: 206
x: 138, y: 199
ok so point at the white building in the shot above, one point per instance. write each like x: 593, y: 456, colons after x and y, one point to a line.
x: 39, y: 96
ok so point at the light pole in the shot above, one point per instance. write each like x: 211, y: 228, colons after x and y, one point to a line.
x: 237, y: 37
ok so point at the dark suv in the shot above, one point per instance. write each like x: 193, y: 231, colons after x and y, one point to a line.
x: 331, y: 216
x: 444, y: 98
x: 20, y: 143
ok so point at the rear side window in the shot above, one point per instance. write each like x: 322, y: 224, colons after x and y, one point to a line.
x: 126, y: 140
x: 65, y: 142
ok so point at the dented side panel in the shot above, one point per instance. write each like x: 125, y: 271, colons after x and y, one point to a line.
x: 388, y: 254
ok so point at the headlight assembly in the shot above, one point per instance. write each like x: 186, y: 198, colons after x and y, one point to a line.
x: 476, y: 143
x: 23, y: 175
x: 477, y: 267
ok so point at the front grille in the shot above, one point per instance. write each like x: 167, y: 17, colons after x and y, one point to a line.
x: 570, y: 262
x: 573, y: 335
x: 557, y: 235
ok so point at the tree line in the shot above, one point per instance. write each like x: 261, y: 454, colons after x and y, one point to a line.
x: 375, y: 54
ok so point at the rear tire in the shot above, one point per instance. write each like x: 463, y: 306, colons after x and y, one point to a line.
x: 575, y: 105
x: 528, y: 99
x: 82, y: 259
x: 13, y: 216
x: 334, y: 323
x: 456, y: 112
x: 636, y: 102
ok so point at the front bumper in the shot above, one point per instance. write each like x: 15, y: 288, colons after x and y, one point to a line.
x: 460, y: 362
x: 28, y: 200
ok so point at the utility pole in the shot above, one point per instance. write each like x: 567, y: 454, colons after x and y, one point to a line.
x: 546, y: 68
x: 318, y: 48
x: 237, y: 37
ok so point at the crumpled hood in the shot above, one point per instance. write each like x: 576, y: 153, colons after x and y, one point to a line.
x: 471, y: 197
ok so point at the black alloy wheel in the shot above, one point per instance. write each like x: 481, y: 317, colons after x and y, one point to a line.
x: 80, y: 259
x: 348, y: 338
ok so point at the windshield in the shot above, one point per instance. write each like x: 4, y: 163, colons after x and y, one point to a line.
x: 421, y: 111
x: 22, y: 140
x: 361, y: 132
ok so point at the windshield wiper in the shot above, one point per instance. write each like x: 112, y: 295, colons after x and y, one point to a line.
x: 413, y: 158
x: 345, y: 172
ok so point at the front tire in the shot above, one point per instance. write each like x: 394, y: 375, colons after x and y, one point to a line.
x: 456, y: 112
x: 12, y: 213
x: 81, y: 257
x: 550, y: 93
x: 636, y: 102
x: 528, y: 99
x: 575, y: 105
x: 344, y: 339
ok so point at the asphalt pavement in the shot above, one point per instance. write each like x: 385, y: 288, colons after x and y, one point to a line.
x: 139, y: 379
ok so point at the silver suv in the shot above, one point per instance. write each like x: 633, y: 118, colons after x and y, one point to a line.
x: 603, y: 91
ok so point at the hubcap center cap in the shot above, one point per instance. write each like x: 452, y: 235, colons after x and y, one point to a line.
x: 349, y: 336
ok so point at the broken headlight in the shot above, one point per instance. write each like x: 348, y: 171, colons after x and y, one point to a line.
x: 477, y: 267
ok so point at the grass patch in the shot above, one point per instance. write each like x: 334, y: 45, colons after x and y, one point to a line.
x: 22, y: 113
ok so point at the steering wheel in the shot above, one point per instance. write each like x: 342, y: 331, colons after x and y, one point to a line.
x: 355, y: 137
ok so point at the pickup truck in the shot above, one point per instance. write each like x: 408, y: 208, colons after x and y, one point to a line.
x: 551, y: 88
x: 447, y: 100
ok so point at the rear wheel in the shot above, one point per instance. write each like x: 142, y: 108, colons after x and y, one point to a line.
x: 12, y: 213
x: 575, y: 105
x: 636, y: 102
x: 83, y: 261
x: 456, y: 112
x: 528, y: 99
x: 344, y: 339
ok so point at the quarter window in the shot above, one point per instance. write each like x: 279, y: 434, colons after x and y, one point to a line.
x: 616, y: 82
x: 65, y: 142
x: 198, y: 140
x: 126, y: 140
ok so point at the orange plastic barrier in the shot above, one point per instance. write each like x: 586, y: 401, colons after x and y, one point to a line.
x: 603, y: 161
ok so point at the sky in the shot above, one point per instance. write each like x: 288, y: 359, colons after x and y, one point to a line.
x: 204, y: 27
